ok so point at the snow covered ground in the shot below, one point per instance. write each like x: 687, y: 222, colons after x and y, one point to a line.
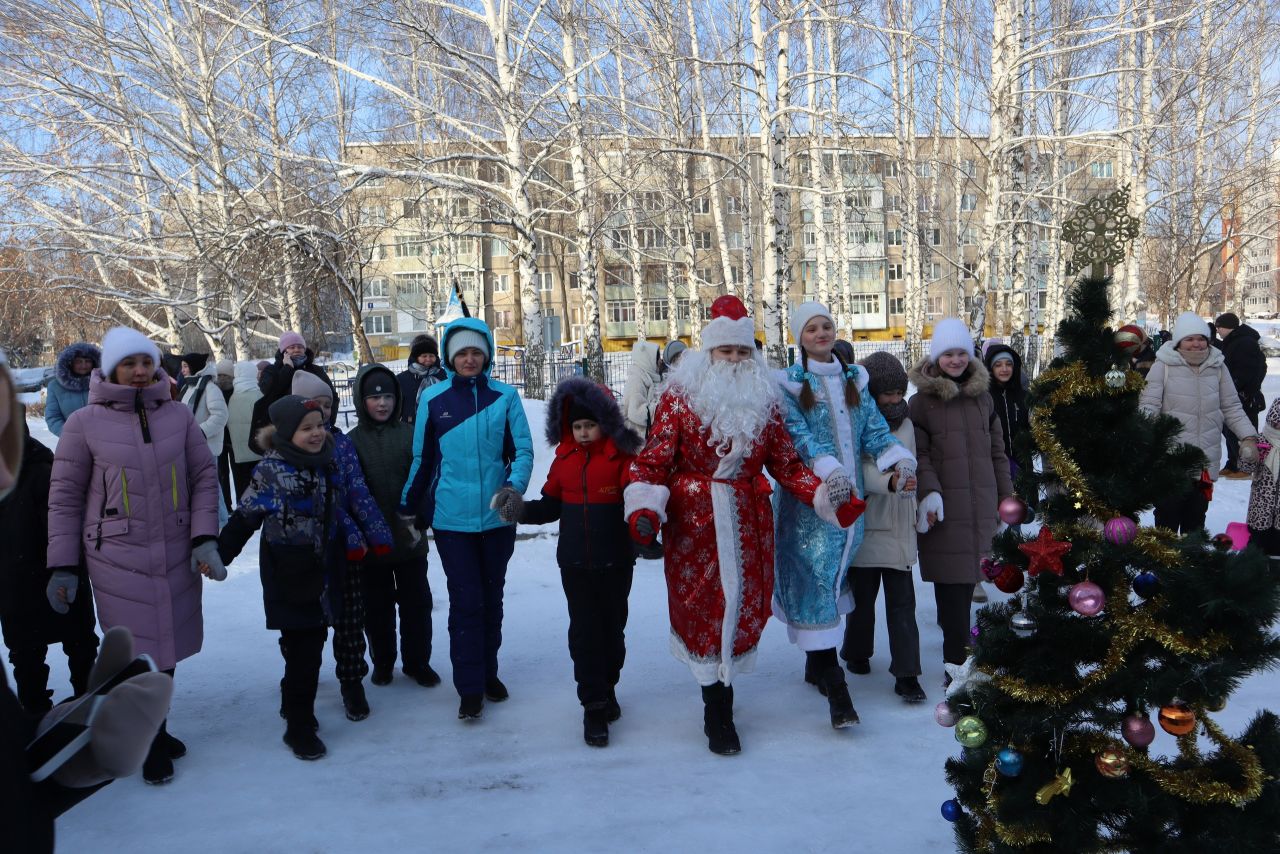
x: 412, y: 776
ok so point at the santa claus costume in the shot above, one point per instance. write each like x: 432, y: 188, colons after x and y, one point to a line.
x: 717, y: 425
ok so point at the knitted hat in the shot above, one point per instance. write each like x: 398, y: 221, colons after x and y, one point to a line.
x: 123, y: 341
x: 1002, y: 356
x: 287, y: 413
x: 672, y: 351
x: 885, y: 372
x: 290, y: 338
x: 803, y: 313
x: 195, y: 362
x: 423, y: 344
x: 376, y: 383
x: 461, y: 339
x: 308, y: 385
x: 263, y: 365
x: 1188, y: 323
x: 729, y: 325
x: 950, y: 333
x: 1228, y: 320
x: 226, y: 368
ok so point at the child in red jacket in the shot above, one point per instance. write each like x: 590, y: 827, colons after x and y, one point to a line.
x: 583, y: 491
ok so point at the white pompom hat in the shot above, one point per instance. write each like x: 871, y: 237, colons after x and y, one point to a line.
x: 803, y: 313
x: 123, y: 341
x: 950, y: 333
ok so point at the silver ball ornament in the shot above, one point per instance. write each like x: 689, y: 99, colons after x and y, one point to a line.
x: 1115, y: 379
x: 1023, y: 624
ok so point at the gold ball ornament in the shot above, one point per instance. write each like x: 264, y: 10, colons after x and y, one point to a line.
x: 971, y: 731
x: 1177, y: 719
x: 1112, y: 764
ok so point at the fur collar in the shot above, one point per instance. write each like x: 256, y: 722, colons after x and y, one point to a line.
x: 62, y: 368
x: 598, y: 400
x: 927, y: 379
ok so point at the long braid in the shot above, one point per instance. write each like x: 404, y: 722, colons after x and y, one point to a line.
x: 807, y: 400
x: 851, y: 397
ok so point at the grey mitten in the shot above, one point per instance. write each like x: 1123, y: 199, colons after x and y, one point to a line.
x: 62, y: 580
x: 839, y: 487
x: 207, y: 552
x: 409, y: 523
x: 1249, y: 452
x: 508, y: 503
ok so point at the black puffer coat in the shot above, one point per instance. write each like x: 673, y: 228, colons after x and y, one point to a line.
x: 277, y: 382
x: 1010, y: 399
x: 1247, y: 365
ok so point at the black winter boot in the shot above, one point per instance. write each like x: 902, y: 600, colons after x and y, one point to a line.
x: 284, y: 714
x: 908, y: 688
x: 595, y: 726
x: 471, y: 707
x: 426, y: 676
x: 833, y: 687
x: 174, y: 745
x: 494, y: 690
x: 353, y: 700
x: 381, y: 675
x: 303, y: 741
x: 612, y: 707
x: 157, y: 769
x: 717, y: 720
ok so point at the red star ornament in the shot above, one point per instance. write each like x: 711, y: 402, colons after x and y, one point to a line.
x: 1045, y: 553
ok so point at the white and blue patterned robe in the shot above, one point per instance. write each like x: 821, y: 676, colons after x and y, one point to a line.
x: 812, y: 556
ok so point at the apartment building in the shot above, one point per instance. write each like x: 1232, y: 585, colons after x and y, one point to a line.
x: 662, y: 260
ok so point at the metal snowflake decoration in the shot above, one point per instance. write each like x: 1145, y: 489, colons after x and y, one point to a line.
x: 1101, y: 230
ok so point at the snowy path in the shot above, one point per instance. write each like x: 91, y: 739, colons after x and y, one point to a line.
x: 414, y: 777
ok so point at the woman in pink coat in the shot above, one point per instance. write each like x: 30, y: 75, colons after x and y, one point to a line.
x: 134, y: 492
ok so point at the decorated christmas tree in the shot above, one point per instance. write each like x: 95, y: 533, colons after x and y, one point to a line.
x: 1112, y: 625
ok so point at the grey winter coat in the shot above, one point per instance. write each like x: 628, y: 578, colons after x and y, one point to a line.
x: 1203, y: 398
x: 889, y: 538
x: 960, y: 454
x: 640, y: 398
x: 67, y: 392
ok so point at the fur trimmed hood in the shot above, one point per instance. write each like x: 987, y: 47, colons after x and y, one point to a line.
x: 599, y: 400
x: 927, y: 379
x: 62, y: 368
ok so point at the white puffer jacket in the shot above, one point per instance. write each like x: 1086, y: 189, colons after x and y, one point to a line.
x: 638, y: 397
x: 1203, y: 398
x: 890, y: 519
x: 240, y: 417
x: 211, y: 409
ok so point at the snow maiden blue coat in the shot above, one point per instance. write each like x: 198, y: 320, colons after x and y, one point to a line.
x: 812, y: 556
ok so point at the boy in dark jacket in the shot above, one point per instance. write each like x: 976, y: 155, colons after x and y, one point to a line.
x: 294, y: 496
x: 424, y: 370
x: 30, y: 625
x: 384, y: 444
x: 583, y: 491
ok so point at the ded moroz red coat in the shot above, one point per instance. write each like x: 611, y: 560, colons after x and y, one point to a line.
x: 133, y: 483
x: 717, y: 532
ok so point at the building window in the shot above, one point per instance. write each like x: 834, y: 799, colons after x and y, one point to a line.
x: 409, y: 207
x: 466, y: 245
x: 700, y: 204
x: 575, y: 282
x: 893, y: 237
x: 733, y: 204
x: 543, y: 280
x: 735, y: 275
x: 702, y: 240
x: 969, y: 270
x: 502, y: 318
x: 621, y: 311
x: 893, y: 203
x: 935, y: 237
x: 891, y: 168
x: 897, y: 305
x: 410, y: 245
x: 969, y: 236
x: 924, y: 202
x: 968, y: 202
x: 933, y: 306
x: 656, y: 309
x: 497, y: 248
x: 970, y: 167
x: 864, y: 303
x: 377, y: 324
x: 895, y: 272
x: 501, y: 282
x: 651, y: 238
x: 734, y: 239
x: 376, y: 288
x: 867, y: 234
x: 935, y: 271
x: 651, y: 201
x: 924, y: 169
x: 374, y: 214
x: 411, y: 283
x: 1101, y: 169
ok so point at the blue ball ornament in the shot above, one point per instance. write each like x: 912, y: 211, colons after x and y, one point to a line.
x: 951, y: 810
x: 1009, y: 762
x: 1145, y: 584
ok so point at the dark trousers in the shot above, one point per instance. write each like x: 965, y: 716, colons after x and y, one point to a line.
x: 597, y: 599
x: 475, y: 568
x: 953, y: 601
x: 405, y: 585
x: 242, y: 474
x: 899, y: 614
x: 348, y: 628
x: 30, y: 627
x: 1233, y: 444
x: 302, y: 650
x: 1183, y: 514
x: 224, y: 473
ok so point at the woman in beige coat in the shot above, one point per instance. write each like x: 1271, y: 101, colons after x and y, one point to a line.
x: 1190, y: 381
x: 963, y: 473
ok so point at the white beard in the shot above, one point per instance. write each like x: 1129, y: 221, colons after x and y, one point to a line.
x: 734, y: 401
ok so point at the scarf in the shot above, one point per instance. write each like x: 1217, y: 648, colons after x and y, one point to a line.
x: 418, y: 368
x: 894, y: 414
x: 298, y: 458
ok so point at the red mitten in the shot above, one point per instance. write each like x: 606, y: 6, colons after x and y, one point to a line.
x: 382, y: 550
x: 641, y: 536
x: 357, y: 554
x: 848, y: 512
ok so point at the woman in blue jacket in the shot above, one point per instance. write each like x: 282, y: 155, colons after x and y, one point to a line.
x: 834, y: 421
x: 472, y: 452
x: 69, y: 388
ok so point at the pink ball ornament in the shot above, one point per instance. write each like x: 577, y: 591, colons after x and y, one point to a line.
x: 1120, y: 531
x: 1138, y: 730
x: 1013, y: 510
x: 1087, y: 599
x: 991, y: 568
x: 944, y: 716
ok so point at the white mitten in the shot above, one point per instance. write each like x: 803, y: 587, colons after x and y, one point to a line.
x: 932, y: 503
